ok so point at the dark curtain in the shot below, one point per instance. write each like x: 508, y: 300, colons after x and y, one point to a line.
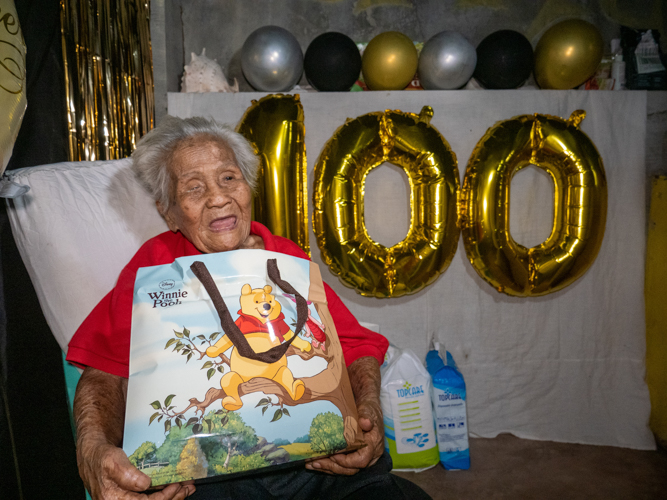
x: 37, y: 456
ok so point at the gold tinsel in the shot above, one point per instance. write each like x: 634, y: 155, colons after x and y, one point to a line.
x: 108, y: 76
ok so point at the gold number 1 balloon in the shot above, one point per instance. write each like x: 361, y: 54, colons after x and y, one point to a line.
x: 406, y: 140
x: 580, y: 204
x: 274, y: 125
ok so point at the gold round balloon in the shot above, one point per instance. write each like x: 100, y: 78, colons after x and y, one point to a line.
x: 567, y: 54
x: 274, y: 126
x: 389, y: 62
x: 580, y: 196
x: 356, y: 148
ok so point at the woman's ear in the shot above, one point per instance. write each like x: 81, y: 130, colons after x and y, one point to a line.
x: 167, y: 216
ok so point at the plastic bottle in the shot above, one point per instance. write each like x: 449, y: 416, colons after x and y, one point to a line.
x: 617, y: 65
x: 618, y: 72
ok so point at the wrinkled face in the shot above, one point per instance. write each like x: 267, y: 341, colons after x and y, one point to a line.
x: 210, y: 201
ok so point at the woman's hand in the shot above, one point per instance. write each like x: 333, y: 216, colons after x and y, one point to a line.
x: 365, y: 380
x: 108, y: 474
x: 99, y: 406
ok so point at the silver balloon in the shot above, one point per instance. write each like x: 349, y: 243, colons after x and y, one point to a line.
x: 447, y: 61
x: 271, y: 59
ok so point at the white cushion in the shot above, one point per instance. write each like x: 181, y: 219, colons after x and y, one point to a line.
x: 77, y: 227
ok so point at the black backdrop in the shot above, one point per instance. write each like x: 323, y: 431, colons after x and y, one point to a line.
x: 39, y: 462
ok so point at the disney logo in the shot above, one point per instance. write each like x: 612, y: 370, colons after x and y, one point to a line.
x: 167, y: 284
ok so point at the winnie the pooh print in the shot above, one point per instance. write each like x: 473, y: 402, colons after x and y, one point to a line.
x: 262, y: 322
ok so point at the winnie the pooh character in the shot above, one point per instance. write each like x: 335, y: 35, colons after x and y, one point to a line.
x: 263, y: 324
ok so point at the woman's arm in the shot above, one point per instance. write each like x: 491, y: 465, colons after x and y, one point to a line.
x: 99, y: 412
x: 365, y: 380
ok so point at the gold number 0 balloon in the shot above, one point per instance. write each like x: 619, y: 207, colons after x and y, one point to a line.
x: 274, y: 125
x: 580, y: 204
x: 357, y: 147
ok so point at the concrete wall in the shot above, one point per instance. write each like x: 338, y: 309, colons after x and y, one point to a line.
x: 180, y: 27
x: 223, y: 25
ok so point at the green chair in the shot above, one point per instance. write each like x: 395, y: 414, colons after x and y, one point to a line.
x: 72, y: 376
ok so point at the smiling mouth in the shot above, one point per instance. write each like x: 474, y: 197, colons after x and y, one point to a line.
x: 223, y: 224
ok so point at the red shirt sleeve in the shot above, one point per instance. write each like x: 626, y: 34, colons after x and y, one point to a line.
x: 100, y: 350
x: 103, y: 339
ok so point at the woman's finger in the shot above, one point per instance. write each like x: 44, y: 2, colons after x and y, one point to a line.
x: 327, y: 465
x: 120, y: 471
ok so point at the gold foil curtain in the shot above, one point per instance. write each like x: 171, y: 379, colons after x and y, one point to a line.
x: 108, y: 76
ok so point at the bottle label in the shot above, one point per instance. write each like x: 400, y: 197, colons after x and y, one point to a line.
x: 413, y: 419
x: 450, y: 421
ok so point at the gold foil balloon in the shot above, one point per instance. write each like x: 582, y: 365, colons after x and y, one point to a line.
x: 406, y: 140
x: 274, y: 125
x: 389, y: 61
x: 567, y: 54
x: 580, y: 197
x: 12, y: 80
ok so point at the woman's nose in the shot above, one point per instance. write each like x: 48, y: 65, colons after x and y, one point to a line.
x: 217, y: 196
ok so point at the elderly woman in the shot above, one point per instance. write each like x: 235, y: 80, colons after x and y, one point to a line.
x: 202, y: 176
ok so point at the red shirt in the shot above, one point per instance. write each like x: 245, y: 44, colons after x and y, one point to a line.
x: 103, y: 339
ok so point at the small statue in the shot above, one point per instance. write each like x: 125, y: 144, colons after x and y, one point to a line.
x: 205, y: 75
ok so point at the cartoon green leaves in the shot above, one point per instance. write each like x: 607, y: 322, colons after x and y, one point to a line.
x: 266, y: 403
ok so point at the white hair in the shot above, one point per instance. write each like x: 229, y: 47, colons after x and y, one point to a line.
x: 152, y: 157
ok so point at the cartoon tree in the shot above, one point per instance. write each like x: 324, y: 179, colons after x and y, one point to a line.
x: 247, y: 462
x: 229, y: 437
x: 326, y: 432
x: 324, y: 386
x: 192, y: 463
x: 303, y: 439
x: 145, y: 452
x: 170, y: 450
x: 233, y: 435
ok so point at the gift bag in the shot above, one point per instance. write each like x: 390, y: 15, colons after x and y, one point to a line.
x: 235, y: 366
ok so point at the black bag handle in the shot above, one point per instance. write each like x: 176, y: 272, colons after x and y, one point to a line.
x: 229, y: 327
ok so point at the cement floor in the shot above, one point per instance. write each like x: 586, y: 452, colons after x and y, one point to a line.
x: 509, y: 467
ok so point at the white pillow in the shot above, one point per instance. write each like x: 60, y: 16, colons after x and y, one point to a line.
x: 77, y: 227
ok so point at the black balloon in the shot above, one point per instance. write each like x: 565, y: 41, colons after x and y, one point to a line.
x: 504, y: 60
x: 332, y: 62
